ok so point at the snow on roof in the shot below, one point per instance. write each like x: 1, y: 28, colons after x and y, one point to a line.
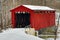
x: 33, y: 7
x: 17, y: 34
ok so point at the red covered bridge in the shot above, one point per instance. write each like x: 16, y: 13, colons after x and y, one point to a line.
x: 36, y: 16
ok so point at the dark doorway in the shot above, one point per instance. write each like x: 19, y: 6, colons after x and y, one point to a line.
x: 22, y: 19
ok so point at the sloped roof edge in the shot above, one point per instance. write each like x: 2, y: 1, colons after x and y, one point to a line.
x: 34, y: 7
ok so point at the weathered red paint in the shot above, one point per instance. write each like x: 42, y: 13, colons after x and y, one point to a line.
x: 37, y: 20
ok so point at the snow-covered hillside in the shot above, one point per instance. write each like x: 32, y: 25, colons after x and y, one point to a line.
x: 17, y: 34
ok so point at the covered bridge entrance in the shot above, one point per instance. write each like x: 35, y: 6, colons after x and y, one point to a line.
x: 22, y: 19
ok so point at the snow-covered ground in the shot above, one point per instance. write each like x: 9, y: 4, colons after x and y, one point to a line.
x: 52, y: 39
x: 17, y: 34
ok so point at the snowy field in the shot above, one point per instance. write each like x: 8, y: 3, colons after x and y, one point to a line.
x: 17, y: 34
x: 52, y: 39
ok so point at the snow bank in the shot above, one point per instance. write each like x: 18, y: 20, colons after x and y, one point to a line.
x: 17, y: 34
x: 52, y: 39
x: 58, y: 39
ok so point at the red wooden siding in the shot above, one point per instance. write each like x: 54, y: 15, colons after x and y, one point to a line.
x: 37, y: 20
x: 42, y: 20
